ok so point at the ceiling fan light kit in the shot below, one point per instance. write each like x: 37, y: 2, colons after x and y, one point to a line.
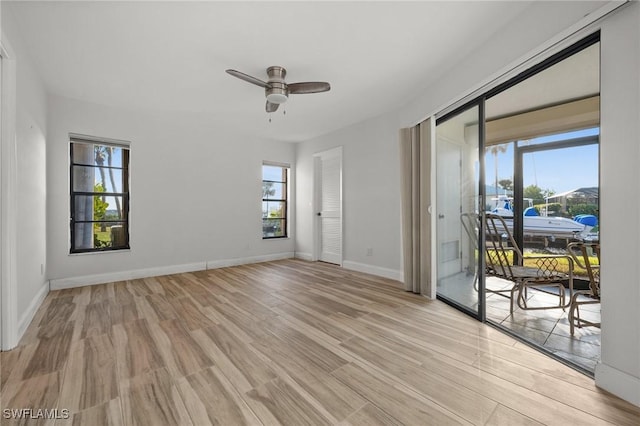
x: 276, y: 90
x: 277, y: 94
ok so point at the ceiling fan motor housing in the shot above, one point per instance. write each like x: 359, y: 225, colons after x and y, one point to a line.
x: 276, y: 89
x: 278, y: 92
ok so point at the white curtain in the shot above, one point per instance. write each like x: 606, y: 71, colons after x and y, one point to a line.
x: 415, y: 189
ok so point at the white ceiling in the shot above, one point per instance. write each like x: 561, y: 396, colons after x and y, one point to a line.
x: 576, y: 77
x: 171, y: 56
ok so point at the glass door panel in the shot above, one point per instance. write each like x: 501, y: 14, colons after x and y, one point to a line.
x: 457, y: 184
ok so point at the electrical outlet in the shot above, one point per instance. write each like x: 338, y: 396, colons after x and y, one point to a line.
x: 369, y: 251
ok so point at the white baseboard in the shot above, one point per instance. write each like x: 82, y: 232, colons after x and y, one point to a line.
x: 304, y: 256
x: 618, y: 383
x: 374, y: 270
x: 30, y: 312
x: 59, y: 284
x: 223, y: 263
x: 62, y: 283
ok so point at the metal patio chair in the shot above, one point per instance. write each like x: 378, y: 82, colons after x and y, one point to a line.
x: 504, y: 259
x: 581, y: 251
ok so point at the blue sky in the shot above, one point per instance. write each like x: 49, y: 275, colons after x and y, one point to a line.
x: 559, y: 170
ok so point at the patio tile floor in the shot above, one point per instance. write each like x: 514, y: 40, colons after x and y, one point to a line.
x: 548, y: 328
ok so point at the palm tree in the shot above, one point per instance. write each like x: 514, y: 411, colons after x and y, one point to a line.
x: 495, y: 149
x: 100, y: 152
x: 112, y: 179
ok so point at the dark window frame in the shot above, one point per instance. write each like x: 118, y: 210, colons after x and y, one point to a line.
x: 73, y: 194
x: 285, y: 194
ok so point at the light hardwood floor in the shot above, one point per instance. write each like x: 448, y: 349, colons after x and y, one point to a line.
x: 286, y: 342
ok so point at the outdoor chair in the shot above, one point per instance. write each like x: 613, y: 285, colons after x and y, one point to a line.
x: 504, y: 259
x: 581, y: 252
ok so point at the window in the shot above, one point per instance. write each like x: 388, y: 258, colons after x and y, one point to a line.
x: 274, y: 200
x: 99, y: 195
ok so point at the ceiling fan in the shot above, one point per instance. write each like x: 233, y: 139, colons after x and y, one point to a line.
x: 276, y: 90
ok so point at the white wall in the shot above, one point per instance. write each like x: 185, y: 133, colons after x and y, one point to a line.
x: 619, y: 371
x: 371, y: 197
x: 30, y: 190
x: 31, y: 169
x: 195, y: 194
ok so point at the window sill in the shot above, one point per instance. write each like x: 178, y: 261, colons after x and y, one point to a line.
x: 85, y: 253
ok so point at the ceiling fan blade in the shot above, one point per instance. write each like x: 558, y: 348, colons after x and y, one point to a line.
x: 271, y: 107
x: 248, y: 78
x: 309, y: 87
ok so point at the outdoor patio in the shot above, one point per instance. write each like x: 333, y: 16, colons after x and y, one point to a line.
x: 548, y: 328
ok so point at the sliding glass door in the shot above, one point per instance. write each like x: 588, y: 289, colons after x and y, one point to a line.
x: 458, y: 137
x: 538, y: 135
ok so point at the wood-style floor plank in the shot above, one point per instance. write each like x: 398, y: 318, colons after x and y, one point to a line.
x: 400, y: 402
x: 135, y: 349
x: 191, y: 315
x: 594, y: 401
x: 52, y: 351
x: 38, y: 392
x: 370, y: 415
x: 474, y: 407
x: 503, y: 416
x: 284, y: 342
x: 90, y: 376
x: 153, y: 399
x: 8, y: 362
x: 106, y: 414
x: 97, y: 319
x: 526, y: 401
x: 253, y: 368
x: 277, y: 399
x: 210, y: 398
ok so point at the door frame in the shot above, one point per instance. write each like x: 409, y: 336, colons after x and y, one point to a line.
x: 518, y: 178
x: 8, y: 200
x: 480, y: 314
x: 459, y: 147
x: 317, y: 203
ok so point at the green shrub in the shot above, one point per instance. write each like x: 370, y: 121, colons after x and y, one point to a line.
x: 553, y: 209
x: 577, y: 209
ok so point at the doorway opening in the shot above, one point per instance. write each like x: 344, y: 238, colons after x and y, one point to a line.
x: 328, y: 206
x: 458, y: 139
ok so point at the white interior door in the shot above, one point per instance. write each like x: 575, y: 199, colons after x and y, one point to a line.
x: 449, y: 207
x: 457, y: 195
x: 329, y: 203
